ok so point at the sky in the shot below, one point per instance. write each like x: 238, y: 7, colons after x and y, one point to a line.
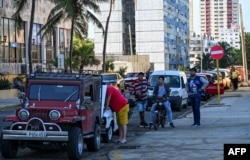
x: 245, y: 13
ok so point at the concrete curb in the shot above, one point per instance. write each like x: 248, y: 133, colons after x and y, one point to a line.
x: 9, y: 107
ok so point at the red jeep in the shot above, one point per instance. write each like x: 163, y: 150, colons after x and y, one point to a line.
x: 59, y: 110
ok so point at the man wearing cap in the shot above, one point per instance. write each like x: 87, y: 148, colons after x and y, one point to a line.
x: 195, y: 85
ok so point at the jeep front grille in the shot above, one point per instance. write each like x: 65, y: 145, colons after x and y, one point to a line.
x: 42, y: 114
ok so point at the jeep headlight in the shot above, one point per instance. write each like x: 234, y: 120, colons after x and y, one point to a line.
x: 23, y: 114
x: 174, y: 93
x: 54, y: 115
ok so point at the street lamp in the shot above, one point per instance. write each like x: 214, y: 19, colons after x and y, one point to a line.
x: 4, y: 39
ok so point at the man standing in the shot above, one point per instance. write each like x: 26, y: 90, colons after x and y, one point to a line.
x: 139, y: 88
x: 161, y: 92
x: 119, y: 104
x: 195, y: 85
x: 234, y: 77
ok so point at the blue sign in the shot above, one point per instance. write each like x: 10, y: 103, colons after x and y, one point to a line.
x: 13, y: 44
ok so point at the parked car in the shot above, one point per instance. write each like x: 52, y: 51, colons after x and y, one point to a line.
x: 114, y: 78
x: 131, y: 76
x: 176, y: 80
x: 221, y: 79
x: 59, y: 110
x: 225, y: 76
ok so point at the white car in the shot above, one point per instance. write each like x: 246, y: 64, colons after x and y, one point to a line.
x: 177, y: 81
x: 108, y: 125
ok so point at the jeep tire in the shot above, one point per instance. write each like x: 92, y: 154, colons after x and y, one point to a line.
x: 75, y: 146
x: 107, y: 136
x: 9, y: 148
x: 94, y: 143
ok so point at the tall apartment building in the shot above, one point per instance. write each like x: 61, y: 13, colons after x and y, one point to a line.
x: 217, y: 15
x: 159, y: 29
x: 13, y: 43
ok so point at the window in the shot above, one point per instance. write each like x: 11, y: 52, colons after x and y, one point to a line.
x: 1, y: 3
x: 36, y: 44
x: 12, y: 51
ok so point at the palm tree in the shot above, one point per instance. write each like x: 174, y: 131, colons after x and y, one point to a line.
x: 83, y: 53
x: 109, y: 66
x: 20, y: 5
x: 207, y: 62
x: 79, y: 12
x: 112, y: 2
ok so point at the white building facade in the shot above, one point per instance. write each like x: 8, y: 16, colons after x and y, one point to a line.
x: 200, y: 45
x: 159, y: 29
x: 231, y: 36
x: 14, y: 49
x: 218, y: 14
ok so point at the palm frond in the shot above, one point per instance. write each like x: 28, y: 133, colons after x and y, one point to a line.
x: 48, y: 27
x: 20, y: 5
x: 92, y: 5
x: 54, y: 11
x: 91, y: 17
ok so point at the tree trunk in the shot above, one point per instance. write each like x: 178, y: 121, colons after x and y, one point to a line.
x: 32, y: 14
x: 71, y: 35
x: 105, y: 39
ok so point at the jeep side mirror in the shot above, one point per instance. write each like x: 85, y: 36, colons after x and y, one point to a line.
x: 87, y: 99
x: 21, y: 95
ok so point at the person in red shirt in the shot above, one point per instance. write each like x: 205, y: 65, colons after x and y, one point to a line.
x: 119, y: 104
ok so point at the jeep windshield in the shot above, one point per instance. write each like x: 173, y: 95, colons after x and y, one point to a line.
x: 172, y: 80
x: 57, y: 92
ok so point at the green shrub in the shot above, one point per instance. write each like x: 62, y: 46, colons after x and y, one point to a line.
x: 5, y: 83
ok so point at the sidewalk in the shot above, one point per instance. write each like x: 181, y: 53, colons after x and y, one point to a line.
x: 227, y: 123
x: 9, y: 102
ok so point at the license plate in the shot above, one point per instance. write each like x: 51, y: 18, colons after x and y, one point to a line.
x: 36, y: 134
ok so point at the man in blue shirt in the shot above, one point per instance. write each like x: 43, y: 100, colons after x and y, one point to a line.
x: 161, y: 92
x: 195, y: 86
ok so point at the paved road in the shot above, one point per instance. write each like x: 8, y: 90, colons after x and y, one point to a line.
x: 133, y: 132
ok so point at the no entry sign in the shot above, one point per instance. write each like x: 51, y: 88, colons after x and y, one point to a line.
x: 217, y: 52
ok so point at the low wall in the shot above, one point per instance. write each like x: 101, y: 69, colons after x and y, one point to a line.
x: 8, y: 93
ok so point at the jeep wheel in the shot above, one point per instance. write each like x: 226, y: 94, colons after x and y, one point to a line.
x: 9, y: 148
x: 94, y: 143
x: 107, y: 137
x: 75, y: 143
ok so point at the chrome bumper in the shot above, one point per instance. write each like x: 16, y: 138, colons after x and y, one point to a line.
x: 23, y: 135
x: 30, y: 131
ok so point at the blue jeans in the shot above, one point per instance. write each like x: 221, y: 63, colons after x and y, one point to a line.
x: 168, y: 109
x: 196, y: 102
x: 141, y: 105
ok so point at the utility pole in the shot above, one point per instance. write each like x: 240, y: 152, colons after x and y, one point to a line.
x: 243, y: 46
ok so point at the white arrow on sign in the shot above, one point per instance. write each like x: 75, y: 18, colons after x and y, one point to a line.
x: 217, y: 52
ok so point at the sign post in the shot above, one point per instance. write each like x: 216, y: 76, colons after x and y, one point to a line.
x: 217, y: 52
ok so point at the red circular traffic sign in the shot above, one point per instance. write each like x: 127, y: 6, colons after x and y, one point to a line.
x: 217, y: 52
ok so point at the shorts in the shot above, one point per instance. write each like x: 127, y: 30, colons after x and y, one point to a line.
x: 141, y: 105
x: 122, y: 115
